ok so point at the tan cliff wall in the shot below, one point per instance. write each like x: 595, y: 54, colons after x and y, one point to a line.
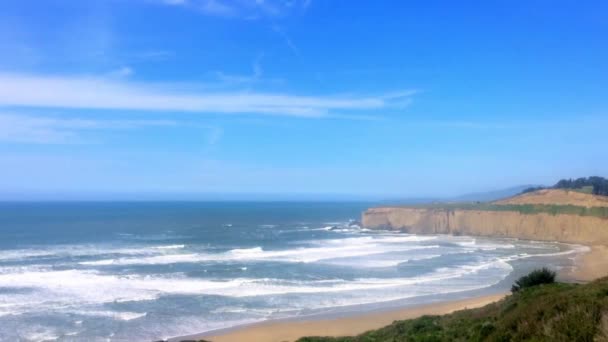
x: 565, y: 228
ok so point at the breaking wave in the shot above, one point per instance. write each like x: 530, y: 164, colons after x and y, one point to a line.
x: 257, y: 275
x: 319, y: 250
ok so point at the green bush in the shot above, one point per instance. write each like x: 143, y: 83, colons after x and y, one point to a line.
x: 536, y: 277
x: 598, y: 185
x: 553, y: 313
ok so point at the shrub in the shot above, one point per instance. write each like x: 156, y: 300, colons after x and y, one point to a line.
x: 536, y: 277
x: 553, y: 312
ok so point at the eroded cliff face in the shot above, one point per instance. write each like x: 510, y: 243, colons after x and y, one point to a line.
x: 546, y: 227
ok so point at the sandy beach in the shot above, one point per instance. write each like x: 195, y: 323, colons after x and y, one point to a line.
x: 292, y: 330
x: 588, y: 266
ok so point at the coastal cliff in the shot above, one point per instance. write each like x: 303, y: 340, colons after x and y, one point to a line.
x: 544, y: 226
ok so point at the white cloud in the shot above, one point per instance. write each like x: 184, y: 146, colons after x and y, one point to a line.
x: 103, y: 93
x: 256, y: 75
x: 290, y: 44
x: 209, y: 7
x: 49, y: 130
x: 215, y: 7
x: 245, y: 9
x: 215, y: 134
x: 124, y: 71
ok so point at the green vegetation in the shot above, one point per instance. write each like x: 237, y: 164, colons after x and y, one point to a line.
x: 590, y: 185
x: 536, y: 277
x: 548, y: 312
x: 552, y: 209
x: 586, y: 190
x: 598, y: 184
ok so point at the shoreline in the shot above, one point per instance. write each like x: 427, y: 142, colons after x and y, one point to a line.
x: 587, y: 266
x: 291, y: 330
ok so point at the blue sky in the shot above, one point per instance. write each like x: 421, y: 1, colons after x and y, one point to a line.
x: 305, y: 97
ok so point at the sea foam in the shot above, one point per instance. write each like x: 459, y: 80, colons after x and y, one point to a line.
x: 319, y: 250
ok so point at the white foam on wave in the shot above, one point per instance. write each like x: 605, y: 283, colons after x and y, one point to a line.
x: 19, y: 254
x: 91, y: 286
x: 151, y: 260
x: 41, y: 334
x: 407, y: 238
x: 374, y: 290
x: 77, y: 288
x: 332, y: 250
x: 84, y: 287
x: 375, y: 239
x: 88, y: 290
x: 484, y: 246
x: 500, y: 263
x: 117, y: 315
x: 380, y: 261
x: 170, y: 247
x: 84, y: 250
x: 167, y: 254
x: 575, y: 249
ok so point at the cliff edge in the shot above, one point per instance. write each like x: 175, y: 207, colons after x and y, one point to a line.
x: 532, y: 216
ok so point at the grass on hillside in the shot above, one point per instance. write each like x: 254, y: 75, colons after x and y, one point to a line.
x: 549, y: 312
x: 585, y: 189
x: 552, y: 209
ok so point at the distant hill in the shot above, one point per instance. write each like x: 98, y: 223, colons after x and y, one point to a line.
x: 485, y: 196
x: 490, y: 196
x: 557, y: 197
x: 592, y: 185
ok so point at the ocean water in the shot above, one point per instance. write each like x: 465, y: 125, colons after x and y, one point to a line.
x: 146, y: 271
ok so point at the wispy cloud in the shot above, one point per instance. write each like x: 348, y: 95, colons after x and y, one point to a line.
x: 18, y: 128
x: 215, y: 134
x: 244, y: 9
x: 215, y: 7
x: 256, y: 75
x: 103, y: 93
x: 290, y: 44
x: 124, y: 71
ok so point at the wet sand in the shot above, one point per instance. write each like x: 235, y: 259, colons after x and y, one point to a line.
x: 588, y: 266
x: 292, y: 330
